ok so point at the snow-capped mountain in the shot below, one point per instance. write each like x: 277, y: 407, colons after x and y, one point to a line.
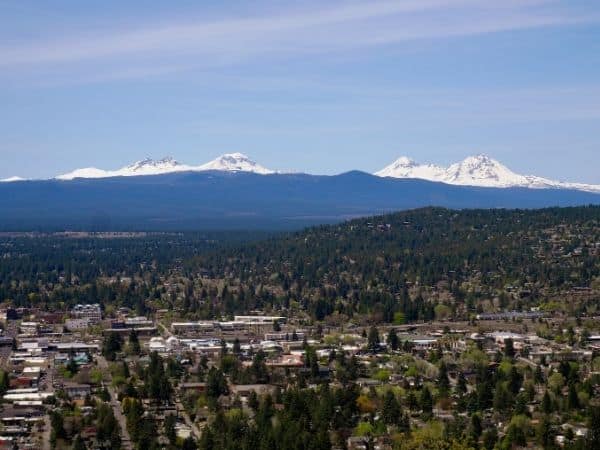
x: 231, y: 162
x: 234, y: 162
x: 144, y: 167
x: 479, y: 170
x: 407, y: 168
x: 12, y: 179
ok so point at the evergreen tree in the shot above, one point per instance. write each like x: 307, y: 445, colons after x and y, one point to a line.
x: 392, y: 339
x: 426, y: 402
x: 573, y: 398
x: 390, y: 413
x: 593, y: 435
x: 111, y: 345
x: 461, y: 385
x: 373, y: 339
x: 78, y: 443
x: 169, y: 426
x: 134, y: 343
x: 216, y: 384
x: 544, y: 433
x: 546, y: 403
x: 237, y: 347
x: 57, y: 424
x: 476, y: 427
x: 509, y: 348
x: 190, y: 444
x: 443, y: 380
x: 490, y: 437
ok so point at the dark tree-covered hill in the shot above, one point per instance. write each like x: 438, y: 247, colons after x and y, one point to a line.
x: 409, y: 262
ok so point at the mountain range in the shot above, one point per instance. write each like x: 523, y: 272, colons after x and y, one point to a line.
x: 479, y: 170
x: 216, y: 199
x: 233, y: 191
x: 230, y: 162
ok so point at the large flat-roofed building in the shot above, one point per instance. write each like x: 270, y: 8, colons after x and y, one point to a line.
x: 260, y: 319
x: 92, y: 312
x: 285, y: 336
x: 187, y: 327
x: 138, y: 322
x: 510, y: 315
x: 29, y: 327
x: 125, y: 331
x: 34, y: 345
x: 67, y: 347
x: 76, y: 390
x: 77, y: 324
x: 232, y: 325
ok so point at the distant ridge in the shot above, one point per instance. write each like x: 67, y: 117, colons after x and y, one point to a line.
x: 479, y: 170
x: 213, y: 199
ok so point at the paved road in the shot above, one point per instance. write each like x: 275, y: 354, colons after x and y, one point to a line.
x: 527, y: 361
x: 186, y: 418
x: 49, y: 382
x: 46, y: 432
x: 165, y: 329
x: 180, y: 409
x: 114, y: 403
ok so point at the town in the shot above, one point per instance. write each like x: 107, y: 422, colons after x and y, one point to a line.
x: 82, y: 378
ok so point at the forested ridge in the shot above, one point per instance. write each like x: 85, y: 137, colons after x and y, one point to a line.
x: 393, y: 263
x: 396, y: 267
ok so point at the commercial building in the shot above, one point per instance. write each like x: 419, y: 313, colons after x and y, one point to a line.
x: 92, y: 312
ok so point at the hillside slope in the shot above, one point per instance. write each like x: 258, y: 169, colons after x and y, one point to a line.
x: 411, y: 262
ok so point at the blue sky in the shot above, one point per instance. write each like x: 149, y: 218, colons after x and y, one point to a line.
x: 321, y: 87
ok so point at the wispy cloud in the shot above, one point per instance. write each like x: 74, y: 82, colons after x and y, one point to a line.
x: 337, y: 27
x: 346, y: 108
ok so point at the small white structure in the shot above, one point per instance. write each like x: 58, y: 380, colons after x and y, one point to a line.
x: 157, y: 344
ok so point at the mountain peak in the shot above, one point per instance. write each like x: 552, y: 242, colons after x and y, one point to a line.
x: 476, y: 170
x: 230, y: 162
x: 150, y: 164
x: 12, y: 179
x: 405, y: 161
x: 405, y: 167
x: 481, y: 170
x: 478, y: 160
x: 235, y: 162
x: 235, y: 155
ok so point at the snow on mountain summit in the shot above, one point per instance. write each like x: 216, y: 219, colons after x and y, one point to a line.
x: 405, y: 167
x: 481, y: 170
x: 234, y: 162
x: 86, y: 172
x: 146, y: 166
x: 478, y: 170
x: 231, y: 162
x: 149, y: 167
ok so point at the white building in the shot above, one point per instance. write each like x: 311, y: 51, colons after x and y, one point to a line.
x: 157, y: 344
x: 92, y: 312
